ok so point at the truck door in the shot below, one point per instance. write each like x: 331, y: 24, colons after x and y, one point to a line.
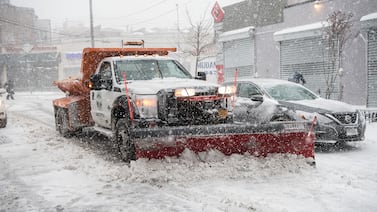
x: 101, y: 99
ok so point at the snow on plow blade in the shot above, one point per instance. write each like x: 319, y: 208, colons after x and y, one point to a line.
x: 261, y: 140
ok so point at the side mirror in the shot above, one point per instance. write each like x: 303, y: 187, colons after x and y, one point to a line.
x: 201, y: 76
x: 95, y: 81
x: 257, y: 98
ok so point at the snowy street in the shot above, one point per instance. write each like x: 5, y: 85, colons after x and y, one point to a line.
x: 42, y: 171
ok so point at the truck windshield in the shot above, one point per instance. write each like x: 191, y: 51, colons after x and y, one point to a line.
x: 149, y: 69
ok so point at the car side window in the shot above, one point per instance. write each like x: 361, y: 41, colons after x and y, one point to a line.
x: 105, y: 71
x: 247, y: 90
x: 105, y: 76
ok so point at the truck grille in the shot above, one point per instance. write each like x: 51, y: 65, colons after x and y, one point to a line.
x: 346, y: 118
x: 178, y: 112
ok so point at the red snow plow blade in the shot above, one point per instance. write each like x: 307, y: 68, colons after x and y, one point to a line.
x: 261, y: 140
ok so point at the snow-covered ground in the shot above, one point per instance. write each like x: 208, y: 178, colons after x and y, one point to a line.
x: 41, y: 171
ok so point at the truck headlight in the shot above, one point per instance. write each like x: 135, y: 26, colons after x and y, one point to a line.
x: 227, y: 90
x: 147, y: 106
x: 184, y: 92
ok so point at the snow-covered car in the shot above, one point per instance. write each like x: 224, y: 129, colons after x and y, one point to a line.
x: 252, y: 106
x: 3, y: 113
x: 337, y: 122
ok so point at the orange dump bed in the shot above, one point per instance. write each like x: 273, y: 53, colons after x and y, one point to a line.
x: 92, y: 56
x: 90, y: 60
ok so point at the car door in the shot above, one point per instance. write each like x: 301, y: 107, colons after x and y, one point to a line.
x: 251, y: 105
x: 102, y: 98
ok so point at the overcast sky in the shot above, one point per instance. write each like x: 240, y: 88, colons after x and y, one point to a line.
x: 122, y: 13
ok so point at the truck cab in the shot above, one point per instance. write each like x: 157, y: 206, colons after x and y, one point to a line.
x: 157, y: 90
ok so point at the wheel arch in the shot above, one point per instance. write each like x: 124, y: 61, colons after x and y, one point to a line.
x: 119, y: 110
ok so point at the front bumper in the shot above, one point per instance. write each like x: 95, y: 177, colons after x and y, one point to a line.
x: 339, y: 133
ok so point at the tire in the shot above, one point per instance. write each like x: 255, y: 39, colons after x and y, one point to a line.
x: 62, y: 122
x: 126, y: 146
x: 3, y: 123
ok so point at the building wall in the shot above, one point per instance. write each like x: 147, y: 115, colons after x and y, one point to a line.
x: 297, y: 13
x: 16, y: 25
x: 253, y: 13
x: 25, y: 54
x: 20, y: 25
x: 44, y: 34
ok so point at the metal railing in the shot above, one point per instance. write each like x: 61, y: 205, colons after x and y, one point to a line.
x: 370, y: 114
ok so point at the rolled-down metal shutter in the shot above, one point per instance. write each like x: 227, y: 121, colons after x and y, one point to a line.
x: 372, y: 69
x: 238, y: 54
x: 306, y: 55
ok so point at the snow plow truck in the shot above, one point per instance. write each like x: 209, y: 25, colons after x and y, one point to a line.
x: 150, y: 106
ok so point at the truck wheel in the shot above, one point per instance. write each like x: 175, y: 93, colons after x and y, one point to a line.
x: 61, y: 122
x: 125, y: 145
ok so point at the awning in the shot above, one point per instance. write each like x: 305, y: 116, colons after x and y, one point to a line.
x: 236, y: 34
x: 303, y: 31
x: 369, y: 21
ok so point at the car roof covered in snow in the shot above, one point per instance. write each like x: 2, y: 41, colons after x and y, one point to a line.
x: 264, y: 82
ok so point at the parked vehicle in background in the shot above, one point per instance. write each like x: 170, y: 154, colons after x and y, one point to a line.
x: 3, y: 112
x: 337, y: 122
x: 252, y: 106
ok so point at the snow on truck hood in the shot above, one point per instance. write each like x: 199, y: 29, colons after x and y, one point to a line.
x: 155, y: 85
x: 320, y: 105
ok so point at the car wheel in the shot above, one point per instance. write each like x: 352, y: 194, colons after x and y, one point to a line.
x: 126, y: 146
x: 3, y: 123
x: 62, y: 122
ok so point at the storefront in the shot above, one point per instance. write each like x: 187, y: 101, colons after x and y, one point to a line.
x: 302, y: 50
x: 35, y: 69
x: 238, y: 53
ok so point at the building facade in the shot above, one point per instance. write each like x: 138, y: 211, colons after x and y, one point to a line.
x: 26, y: 54
x: 275, y: 38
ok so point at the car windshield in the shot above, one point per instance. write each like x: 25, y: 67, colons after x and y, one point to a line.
x: 289, y: 92
x: 149, y: 69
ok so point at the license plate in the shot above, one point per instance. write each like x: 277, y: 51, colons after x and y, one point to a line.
x: 351, y: 131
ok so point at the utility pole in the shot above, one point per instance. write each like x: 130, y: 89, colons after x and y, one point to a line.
x: 91, y: 23
x: 178, y: 31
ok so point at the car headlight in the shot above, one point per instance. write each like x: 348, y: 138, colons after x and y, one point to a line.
x: 147, y: 105
x: 227, y: 90
x: 184, y: 92
x: 362, y: 116
x: 307, y: 116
